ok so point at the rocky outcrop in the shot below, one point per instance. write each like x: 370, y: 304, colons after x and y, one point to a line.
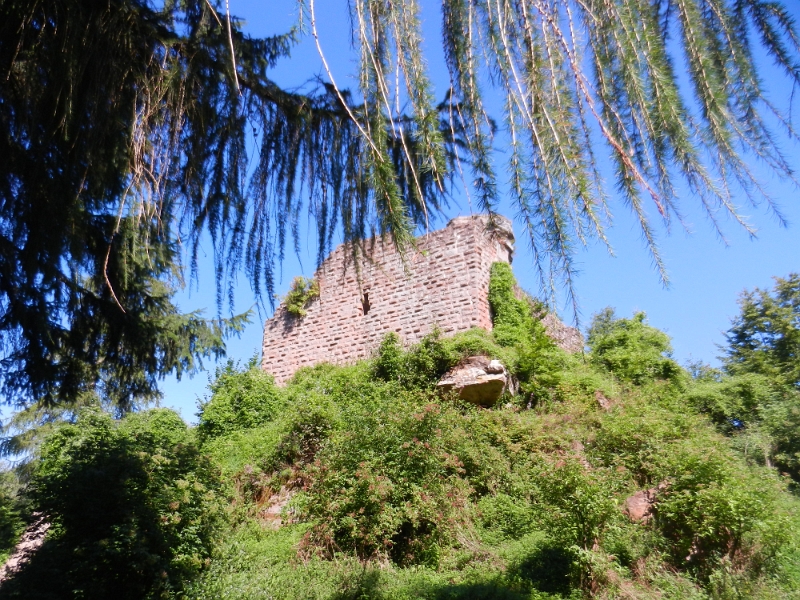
x: 477, y: 379
x: 602, y: 401
x: 273, y: 513
x: 565, y: 337
x: 639, y: 506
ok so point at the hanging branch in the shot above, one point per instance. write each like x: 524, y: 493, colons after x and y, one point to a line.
x: 129, y: 132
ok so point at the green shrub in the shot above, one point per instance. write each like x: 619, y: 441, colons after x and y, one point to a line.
x: 339, y: 387
x: 389, y: 485
x: 486, y: 442
x: 631, y: 349
x: 457, y: 501
x: 240, y: 399
x: 12, y: 524
x: 389, y: 361
x: 576, y: 506
x: 424, y: 364
x: 133, y: 507
x: 517, y: 324
x: 640, y: 438
x: 301, y: 293
x: 418, y: 368
x: 540, y: 367
x: 713, y: 510
x: 709, y: 506
x: 305, y: 430
x: 732, y: 403
x: 763, y: 417
x: 781, y: 422
x: 512, y: 317
x: 253, y: 448
x: 479, y: 342
x: 580, y: 381
x: 512, y: 517
x: 577, y: 502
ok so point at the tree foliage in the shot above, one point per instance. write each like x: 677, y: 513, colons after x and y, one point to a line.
x: 240, y: 400
x: 513, y: 322
x: 124, y: 135
x: 133, y: 506
x: 576, y: 77
x: 87, y: 275
x: 137, y: 128
x: 517, y: 323
x: 765, y: 336
x: 756, y: 397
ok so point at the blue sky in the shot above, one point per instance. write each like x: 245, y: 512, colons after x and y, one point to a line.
x: 706, y: 274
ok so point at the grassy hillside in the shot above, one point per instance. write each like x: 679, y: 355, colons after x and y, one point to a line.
x: 386, y: 489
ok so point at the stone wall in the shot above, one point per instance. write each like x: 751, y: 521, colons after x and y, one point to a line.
x: 445, y: 283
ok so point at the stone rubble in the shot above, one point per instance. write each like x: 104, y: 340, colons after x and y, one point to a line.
x: 602, y: 401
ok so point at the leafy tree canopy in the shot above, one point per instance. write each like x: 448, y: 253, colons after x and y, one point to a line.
x: 765, y: 336
x: 756, y: 396
x: 130, y: 128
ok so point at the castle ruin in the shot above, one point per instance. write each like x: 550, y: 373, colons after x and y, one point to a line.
x: 444, y: 283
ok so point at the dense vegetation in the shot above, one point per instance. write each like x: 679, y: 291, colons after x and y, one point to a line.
x: 137, y: 127
x: 141, y: 128
x: 386, y: 489
x: 134, y: 508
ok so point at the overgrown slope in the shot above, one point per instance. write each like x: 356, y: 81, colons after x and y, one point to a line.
x: 364, y: 482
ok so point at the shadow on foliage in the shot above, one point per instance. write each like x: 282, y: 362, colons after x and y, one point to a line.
x: 45, y: 576
x: 479, y: 591
x: 61, y: 569
x: 365, y: 586
x: 132, y: 505
x: 547, y: 569
x: 370, y: 585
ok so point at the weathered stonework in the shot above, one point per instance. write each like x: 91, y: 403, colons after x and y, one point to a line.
x: 567, y: 338
x: 445, y: 284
